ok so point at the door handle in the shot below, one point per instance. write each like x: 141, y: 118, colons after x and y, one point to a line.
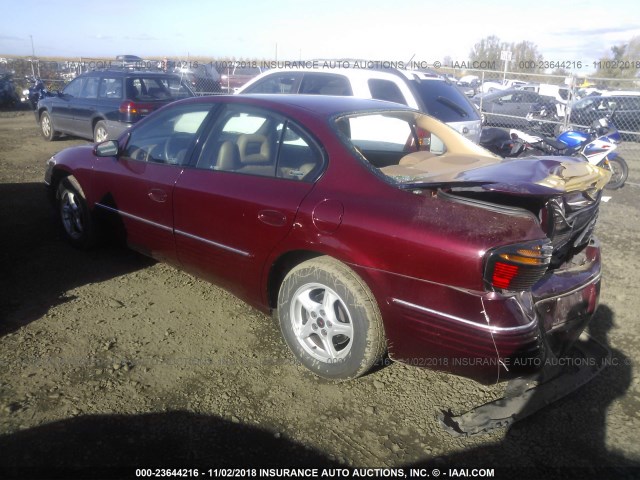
x: 273, y: 218
x: 157, y: 195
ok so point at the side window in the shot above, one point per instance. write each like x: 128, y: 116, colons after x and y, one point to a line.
x: 386, y: 90
x: 243, y: 140
x: 325, y: 84
x: 298, y: 157
x: 380, y: 133
x: 90, y: 89
x: 251, y: 141
x: 110, y: 88
x: 167, y: 137
x: 276, y: 83
x: 74, y: 88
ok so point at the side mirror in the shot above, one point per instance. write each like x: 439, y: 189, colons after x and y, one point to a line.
x: 108, y: 148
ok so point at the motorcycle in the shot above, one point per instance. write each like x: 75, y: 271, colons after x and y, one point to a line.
x: 34, y: 93
x: 597, y: 146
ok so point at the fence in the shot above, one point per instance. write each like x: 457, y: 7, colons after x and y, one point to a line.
x: 548, y: 103
x: 552, y: 103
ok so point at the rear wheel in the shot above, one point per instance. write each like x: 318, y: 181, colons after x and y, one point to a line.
x: 330, y: 319
x: 619, y: 173
x: 46, y: 127
x: 76, y: 219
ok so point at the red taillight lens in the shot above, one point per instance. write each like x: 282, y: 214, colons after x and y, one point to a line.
x: 132, y: 109
x: 517, y: 267
x: 128, y: 107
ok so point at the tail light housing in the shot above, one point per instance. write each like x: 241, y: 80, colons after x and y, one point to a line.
x: 131, y: 111
x: 517, y: 267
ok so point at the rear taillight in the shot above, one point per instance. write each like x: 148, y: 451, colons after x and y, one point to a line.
x: 131, y: 111
x: 517, y: 267
x: 128, y: 107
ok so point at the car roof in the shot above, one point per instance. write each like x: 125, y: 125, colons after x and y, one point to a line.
x: 352, y: 72
x: 321, y: 105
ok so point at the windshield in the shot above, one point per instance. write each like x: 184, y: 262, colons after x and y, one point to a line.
x: 444, y: 101
x: 409, y: 148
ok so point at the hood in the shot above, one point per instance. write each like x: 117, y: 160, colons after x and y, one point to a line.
x: 521, y: 176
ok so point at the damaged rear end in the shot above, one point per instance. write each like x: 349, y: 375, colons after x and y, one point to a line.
x: 560, y: 273
x: 555, y: 279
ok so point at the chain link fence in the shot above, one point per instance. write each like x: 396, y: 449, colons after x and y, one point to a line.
x: 545, y: 103
x: 551, y: 104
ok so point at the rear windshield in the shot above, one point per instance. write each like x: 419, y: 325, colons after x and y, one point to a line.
x: 156, y: 88
x: 445, y: 102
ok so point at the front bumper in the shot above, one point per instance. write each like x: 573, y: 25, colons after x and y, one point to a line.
x: 489, y: 336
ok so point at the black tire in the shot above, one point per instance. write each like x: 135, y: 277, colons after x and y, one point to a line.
x: 100, y: 132
x: 46, y: 127
x: 77, y: 222
x: 339, y: 334
x: 619, y: 173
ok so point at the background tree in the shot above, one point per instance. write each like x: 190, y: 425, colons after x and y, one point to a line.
x: 621, y: 63
x: 488, y: 49
x: 525, y: 56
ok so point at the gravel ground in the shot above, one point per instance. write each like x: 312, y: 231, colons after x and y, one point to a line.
x: 109, y: 359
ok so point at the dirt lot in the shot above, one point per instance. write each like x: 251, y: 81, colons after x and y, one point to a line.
x: 109, y: 359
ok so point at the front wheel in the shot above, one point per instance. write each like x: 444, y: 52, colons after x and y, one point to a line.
x: 619, y: 173
x: 46, y: 127
x: 330, y: 319
x: 76, y: 219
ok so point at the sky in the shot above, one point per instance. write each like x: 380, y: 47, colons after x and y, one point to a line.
x: 424, y: 30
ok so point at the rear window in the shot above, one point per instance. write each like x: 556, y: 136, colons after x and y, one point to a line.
x: 156, y: 88
x: 445, y: 102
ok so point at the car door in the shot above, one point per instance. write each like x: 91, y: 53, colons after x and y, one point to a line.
x: 240, y: 197
x: 62, y: 105
x: 84, y: 108
x: 135, y: 189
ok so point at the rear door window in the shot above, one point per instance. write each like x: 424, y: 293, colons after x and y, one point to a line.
x: 110, y: 88
x: 386, y: 90
x: 277, y: 83
x: 445, y: 102
x: 325, y: 84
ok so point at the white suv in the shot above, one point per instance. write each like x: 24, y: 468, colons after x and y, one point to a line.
x: 433, y: 95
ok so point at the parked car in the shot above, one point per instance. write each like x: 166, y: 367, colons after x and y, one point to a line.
x: 490, y: 86
x: 625, y: 110
x: 202, y: 78
x: 507, y: 108
x: 130, y: 61
x: 103, y: 103
x: 469, y: 85
x: 236, y: 77
x: 435, y: 96
x: 335, y: 213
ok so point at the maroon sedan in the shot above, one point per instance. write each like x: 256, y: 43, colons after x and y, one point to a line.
x: 367, y: 226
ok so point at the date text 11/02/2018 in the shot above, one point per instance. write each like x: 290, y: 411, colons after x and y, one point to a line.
x: 578, y: 64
